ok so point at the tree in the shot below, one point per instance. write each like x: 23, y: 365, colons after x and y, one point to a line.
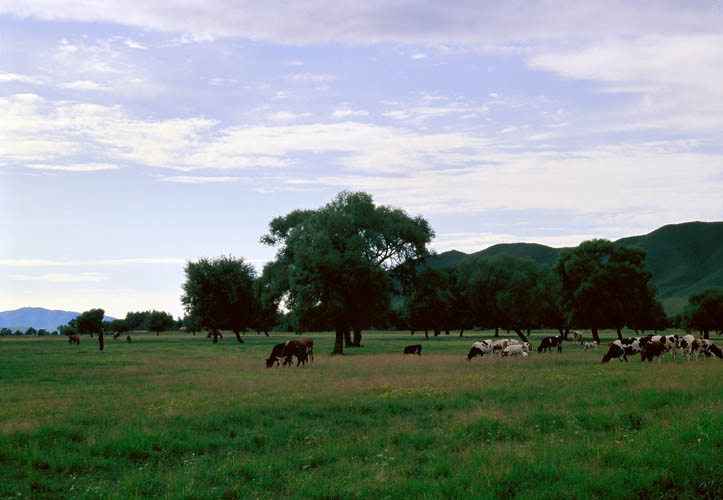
x: 137, y: 320
x: 220, y: 294
x: 159, y: 321
x: 6, y: 331
x: 704, y: 311
x: 428, y: 305
x: 31, y: 331
x: 118, y: 325
x: 603, y: 285
x: 334, y: 262
x: 92, y: 322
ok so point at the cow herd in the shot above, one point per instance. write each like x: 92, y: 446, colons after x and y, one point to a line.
x: 649, y: 347
x: 653, y: 346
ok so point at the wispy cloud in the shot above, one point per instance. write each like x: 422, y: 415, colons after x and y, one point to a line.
x: 61, y: 277
x: 77, y: 167
x: 93, y: 262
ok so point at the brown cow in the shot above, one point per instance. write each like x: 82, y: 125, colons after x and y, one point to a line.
x: 116, y: 335
x: 73, y: 339
x: 128, y: 339
x: 301, y: 348
x: 652, y: 350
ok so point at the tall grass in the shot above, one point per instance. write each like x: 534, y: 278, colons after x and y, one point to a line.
x: 178, y: 417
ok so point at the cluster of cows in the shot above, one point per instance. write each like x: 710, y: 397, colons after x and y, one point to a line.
x: 650, y: 347
x: 653, y: 346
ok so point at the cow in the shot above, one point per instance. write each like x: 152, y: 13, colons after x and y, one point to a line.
x: 501, y: 344
x: 549, y: 342
x: 707, y: 347
x: 481, y: 348
x: 652, y: 349
x: 590, y: 345
x: 301, y: 348
x: 670, y: 342
x: 577, y: 335
x: 73, y: 339
x: 116, y: 335
x: 515, y: 350
x: 128, y: 339
x: 413, y: 349
x: 632, y: 345
x: 275, y: 355
x: 615, y: 350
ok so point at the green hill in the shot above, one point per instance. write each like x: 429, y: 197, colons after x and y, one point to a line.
x: 684, y: 258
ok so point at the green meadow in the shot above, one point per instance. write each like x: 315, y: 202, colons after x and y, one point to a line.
x: 178, y: 417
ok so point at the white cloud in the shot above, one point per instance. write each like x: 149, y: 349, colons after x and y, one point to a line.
x: 83, y: 85
x: 191, y: 179
x: 77, y: 167
x: 419, y: 56
x: 86, y: 263
x: 346, y: 113
x: 14, y: 77
x: 61, y: 278
x: 312, y: 77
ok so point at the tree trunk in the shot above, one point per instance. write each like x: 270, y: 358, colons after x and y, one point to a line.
x: 528, y: 332
x: 562, y: 332
x: 461, y: 332
x: 91, y: 334
x: 620, y: 333
x: 338, y: 341
x: 446, y: 332
x: 347, y: 337
x: 357, y: 337
x: 426, y: 334
x: 412, y: 331
x: 158, y: 333
x: 595, y: 336
x: 215, y: 337
x: 100, y: 340
x: 436, y: 332
x: 238, y: 337
x: 266, y: 332
x: 497, y: 331
x: 705, y: 334
x: 519, y: 333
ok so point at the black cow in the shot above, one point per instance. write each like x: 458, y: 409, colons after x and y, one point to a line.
x: 549, y: 342
x: 276, y: 354
x: 413, y: 349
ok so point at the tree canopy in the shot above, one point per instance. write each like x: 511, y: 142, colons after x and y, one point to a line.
x: 219, y: 294
x: 159, y: 321
x: 92, y: 322
x: 704, y: 311
x: 335, y: 262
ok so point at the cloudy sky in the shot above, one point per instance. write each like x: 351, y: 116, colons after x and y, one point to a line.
x: 135, y: 136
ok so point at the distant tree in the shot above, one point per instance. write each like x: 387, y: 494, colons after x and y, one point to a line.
x: 67, y: 330
x: 192, y: 324
x: 266, y: 315
x: 42, y: 331
x: 118, y: 325
x: 603, y: 285
x: 482, y: 279
x: 92, y: 322
x: 219, y: 293
x: 428, y: 302
x: 704, y: 311
x: 159, y: 321
x: 137, y: 320
x: 334, y: 262
x: 6, y: 331
x: 31, y: 331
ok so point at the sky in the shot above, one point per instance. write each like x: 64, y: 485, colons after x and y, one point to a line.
x: 138, y: 136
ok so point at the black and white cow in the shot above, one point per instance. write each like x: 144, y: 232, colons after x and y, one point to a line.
x: 707, y: 347
x: 621, y: 348
x: 549, y: 342
x: 670, y: 342
x: 481, y: 348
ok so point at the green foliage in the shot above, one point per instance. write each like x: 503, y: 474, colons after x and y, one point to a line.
x: 137, y: 320
x: 428, y: 303
x: 334, y: 262
x: 31, y: 331
x: 118, y: 325
x: 704, y: 311
x: 90, y: 321
x: 219, y: 293
x: 159, y: 321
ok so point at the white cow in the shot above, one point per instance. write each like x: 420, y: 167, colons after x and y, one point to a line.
x: 516, y: 350
x: 481, y: 348
x: 590, y: 345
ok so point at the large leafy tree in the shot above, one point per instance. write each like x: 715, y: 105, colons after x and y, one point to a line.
x: 91, y: 322
x: 335, y: 262
x: 219, y: 294
x: 704, y: 311
x: 428, y: 303
x: 160, y: 321
x: 603, y: 285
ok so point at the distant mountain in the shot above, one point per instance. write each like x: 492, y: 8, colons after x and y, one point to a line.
x: 684, y: 258
x: 37, y: 317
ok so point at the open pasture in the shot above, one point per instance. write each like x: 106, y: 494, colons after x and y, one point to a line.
x: 178, y: 417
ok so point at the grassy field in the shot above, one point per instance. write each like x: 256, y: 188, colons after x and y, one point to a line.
x: 178, y: 417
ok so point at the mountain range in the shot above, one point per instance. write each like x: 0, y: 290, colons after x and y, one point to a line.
x: 683, y: 258
x: 37, y: 317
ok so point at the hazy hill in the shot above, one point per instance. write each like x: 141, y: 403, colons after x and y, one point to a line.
x: 38, y: 318
x: 684, y: 258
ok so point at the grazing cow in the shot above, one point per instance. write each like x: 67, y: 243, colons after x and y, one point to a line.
x: 707, y: 347
x: 275, y: 355
x: 549, y: 342
x: 501, y: 344
x: 116, y: 335
x: 652, y: 349
x: 515, y: 350
x: 685, y: 345
x: 128, y: 339
x: 670, y: 342
x: 301, y: 348
x: 480, y: 348
x: 209, y: 335
x: 73, y: 339
x: 590, y: 345
x: 577, y: 335
x: 615, y: 350
x: 413, y: 349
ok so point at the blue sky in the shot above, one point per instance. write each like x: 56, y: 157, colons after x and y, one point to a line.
x: 135, y: 136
